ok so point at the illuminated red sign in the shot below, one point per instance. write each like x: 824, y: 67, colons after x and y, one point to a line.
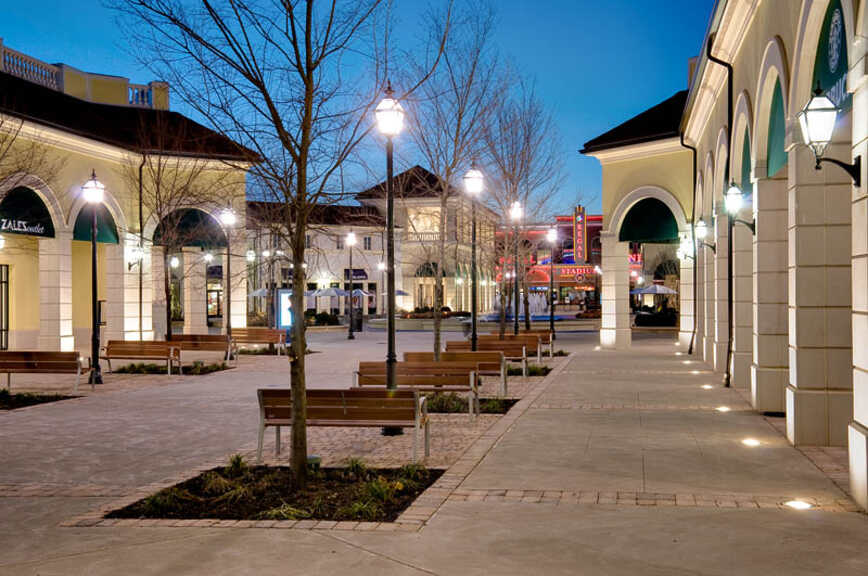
x: 580, y: 234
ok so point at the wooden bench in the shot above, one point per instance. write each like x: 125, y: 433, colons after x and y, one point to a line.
x: 515, y: 350
x: 142, y: 350
x: 488, y: 362
x: 545, y: 339
x: 532, y: 342
x: 354, y: 408
x: 203, y: 343
x: 37, y: 362
x: 258, y: 335
x: 425, y: 377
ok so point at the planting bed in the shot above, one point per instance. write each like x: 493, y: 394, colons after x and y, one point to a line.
x: 11, y: 401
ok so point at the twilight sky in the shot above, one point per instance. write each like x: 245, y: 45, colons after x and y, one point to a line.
x: 595, y: 63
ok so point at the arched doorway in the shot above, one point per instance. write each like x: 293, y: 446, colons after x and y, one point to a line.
x: 647, y: 225
x: 190, y: 250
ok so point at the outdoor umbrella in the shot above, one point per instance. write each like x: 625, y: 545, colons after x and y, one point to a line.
x: 654, y: 289
x: 330, y: 293
x: 399, y: 293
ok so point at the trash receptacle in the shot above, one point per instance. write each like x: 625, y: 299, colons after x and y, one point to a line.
x: 357, y: 320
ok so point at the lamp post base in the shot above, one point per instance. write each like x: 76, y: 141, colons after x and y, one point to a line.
x: 95, y: 376
x: 392, y: 431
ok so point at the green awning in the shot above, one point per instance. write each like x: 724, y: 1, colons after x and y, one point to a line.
x: 22, y: 211
x: 106, y: 231
x: 189, y: 227
x: 649, y: 221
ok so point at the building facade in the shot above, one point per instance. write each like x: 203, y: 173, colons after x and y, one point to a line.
x: 798, y: 278
x: 59, y: 126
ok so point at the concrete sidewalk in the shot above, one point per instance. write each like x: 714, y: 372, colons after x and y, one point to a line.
x: 635, y: 429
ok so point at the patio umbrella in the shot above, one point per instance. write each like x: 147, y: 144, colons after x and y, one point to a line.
x: 399, y: 293
x: 330, y: 293
x: 654, y: 289
x: 260, y: 293
x: 359, y: 292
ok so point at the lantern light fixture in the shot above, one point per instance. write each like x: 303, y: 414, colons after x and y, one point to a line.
x: 817, y: 123
x: 389, y: 114
x: 93, y: 190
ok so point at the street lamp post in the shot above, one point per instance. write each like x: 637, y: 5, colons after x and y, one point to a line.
x: 552, y: 237
x: 473, y: 184
x: 228, y: 219
x: 390, y: 120
x: 351, y: 241
x: 515, y: 214
x: 381, y: 266
x: 93, y: 192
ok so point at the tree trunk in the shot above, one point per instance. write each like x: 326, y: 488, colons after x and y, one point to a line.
x: 438, y: 279
x: 297, y: 358
x: 504, y: 299
x: 526, y: 301
x: 167, y: 288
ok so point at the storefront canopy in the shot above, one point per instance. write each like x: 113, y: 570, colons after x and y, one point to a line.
x: 189, y: 227
x: 649, y: 221
x: 22, y: 211
x: 106, y: 231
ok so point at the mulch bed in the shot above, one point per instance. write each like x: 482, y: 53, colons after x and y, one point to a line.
x: 11, y: 401
x: 194, y: 369
x: 239, y: 492
x: 452, y: 403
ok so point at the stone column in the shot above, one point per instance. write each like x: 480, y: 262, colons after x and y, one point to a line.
x: 742, y: 346
x: 615, y: 327
x: 858, y: 429
x: 819, y: 396
x: 687, y: 295
x: 115, y: 280
x: 195, y: 310
x: 237, y: 281
x: 699, y: 294
x: 158, y: 294
x: 769, y: 367
x: 721, y: 273
x: 55, y: 293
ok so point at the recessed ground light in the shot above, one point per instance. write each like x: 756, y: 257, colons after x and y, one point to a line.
x: 687, y: 362
x: 722, y: 408
x: 707, y: 386
x: 596, y: 348
x: 798, y: 505
x: 694, y: 371
x: 752, y: 442
x: 678, y: 353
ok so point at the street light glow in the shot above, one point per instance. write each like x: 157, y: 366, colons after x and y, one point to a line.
x: 515, y: 212
x: 174, y: 262
x: 250, y: 255
x: 734, y: 199
x: 751, y: 442
x: 351, y: 239
x: 798, y: 505
x: 93, y: 190
x: 209, y: 257
x: 701, y: 229
x: 228, y: 217
x: 381, y: 266
x: 552, y: 235
x: 389, y: 114
x: 817, y: 121
x: 474, y: 181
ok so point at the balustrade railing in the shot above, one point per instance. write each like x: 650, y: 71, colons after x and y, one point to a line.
x: 29, y: 68
x: 141, y: 96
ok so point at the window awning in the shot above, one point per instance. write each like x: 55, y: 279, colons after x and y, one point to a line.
x: 22, y: 211
x: 189, y: 227
x: 649, y: 221
x: 106, y: 231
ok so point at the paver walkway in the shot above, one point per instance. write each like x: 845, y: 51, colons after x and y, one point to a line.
x: 635, y: 428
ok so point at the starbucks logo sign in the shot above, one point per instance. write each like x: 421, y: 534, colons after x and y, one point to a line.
x: 836, y: 40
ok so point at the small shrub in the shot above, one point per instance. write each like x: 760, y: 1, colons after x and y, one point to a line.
x: 166, y: 502
x: 237, y: 467
x: 284, y: 512
x: 215, y: 484
x: 532, y: 370
x: 447, y: 403
x: 561, y: 353
x: 327, y: 319
x: 238, y: 493
x: 364, y: 510
x: 356, y: 468
x: 381, y: 490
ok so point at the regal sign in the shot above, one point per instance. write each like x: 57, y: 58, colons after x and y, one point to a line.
x: 580, y: 235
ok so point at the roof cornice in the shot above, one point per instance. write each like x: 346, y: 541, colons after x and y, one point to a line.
x: 637, y: 151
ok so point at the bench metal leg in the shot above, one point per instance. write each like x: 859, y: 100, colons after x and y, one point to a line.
x: 427, y: 440
x: 9, y: 381
x: 259, y: 443
x: 277, y: 440
x: 524, y: 366
x: 108, y: 362
x: 415, y: 441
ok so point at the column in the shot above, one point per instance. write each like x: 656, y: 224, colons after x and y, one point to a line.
x: 237, y: 281
x: 858, y: 428
x: 769, y: 367
x: 55, y: 293
x: 686, y: 300
x: 819, y: 398
x: 721, y: 302
x: 115, y: 280
x: 195, y: 310
x: 615, y: 327
x: 158, y: 294
x: 709, y: 299
x: 742, y: 345
x: 699, y: 294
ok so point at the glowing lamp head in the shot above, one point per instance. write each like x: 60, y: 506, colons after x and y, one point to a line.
x: 552, y: 235
x: 266, y: 253
x: 685, y: 249
x: 459, y: 281
x: 474, y: 181
x: 351, y: 239
x: 209, y: 257
x: 93, y: 190
x: 381, y: 266
x: 228, y: 217
x: 250, y: 255
x: 817, y: 121
x: 515, y: 212
x: 174, y: 262
x: 733, y: 199
x: 389, y: 114
x: 640, y: 280
x: 598, y: 270
x: 701, y: 230
x: 136, y: 253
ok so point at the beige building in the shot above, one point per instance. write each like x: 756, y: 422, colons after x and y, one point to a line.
x: 59, y: 125
x: 799, y: 320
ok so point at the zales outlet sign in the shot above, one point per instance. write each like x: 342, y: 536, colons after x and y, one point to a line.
x: 21, y: 227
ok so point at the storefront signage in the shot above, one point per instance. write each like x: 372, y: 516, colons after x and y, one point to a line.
x: 23, y: 212
x: 358, y: 274
x: 21, y: 227
x: 284, y: 309
x: 831, y: 64
x: 580, y: 234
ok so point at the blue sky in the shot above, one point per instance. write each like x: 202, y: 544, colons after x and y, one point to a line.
x: 595, y: 63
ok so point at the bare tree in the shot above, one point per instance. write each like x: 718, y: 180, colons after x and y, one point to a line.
x: 522, y: 148
x: 173, y: 172
x: 23, y: 155
x: 272, y: 76
x: 447, y: 120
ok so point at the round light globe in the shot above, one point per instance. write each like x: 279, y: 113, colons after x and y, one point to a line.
x: 93, y: 190
x: 390, y: 115
x: 733, y: 199
x: 474, y: 182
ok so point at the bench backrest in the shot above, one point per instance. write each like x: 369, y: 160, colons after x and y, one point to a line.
x: 214, y: 342
x: 434, y: 368
x: 430, y: 381
x: 530, y: 340
x: 510, y: 348
x: 355, y: 405
x: 38, y: 361
x: 257, y: 335
x: 486, y: 358
x: 544, y: 335
x: 155, y: 348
